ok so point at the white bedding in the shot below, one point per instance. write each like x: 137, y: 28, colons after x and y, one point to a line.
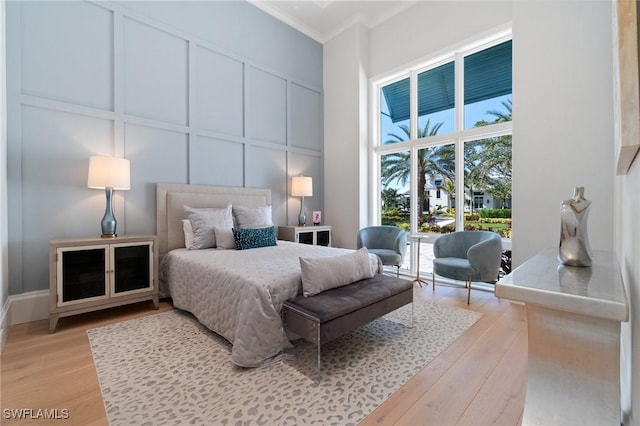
x: 239, y: 293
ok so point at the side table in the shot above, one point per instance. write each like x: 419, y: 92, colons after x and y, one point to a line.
x: 418, y: 238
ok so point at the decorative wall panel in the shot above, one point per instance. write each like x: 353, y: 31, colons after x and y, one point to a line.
x: 218, y: 93
x: 268, y: 169
x: 307, y: 165
x: 67, y: 52
x: 156, y: 155
x: 306, y: 118
x: 216, y: 162
x: 266, y: 106
x: 155, y: 73
x: 56, y: 201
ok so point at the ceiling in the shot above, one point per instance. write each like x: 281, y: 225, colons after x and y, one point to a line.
x: 323, y: 19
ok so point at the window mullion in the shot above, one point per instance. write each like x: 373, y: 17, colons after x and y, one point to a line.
x: 459, y: 185
x: 375, y: 158
x: 459, y: 92
x: 459, y: 126
x: 414, y: 190
x: 413, y: 126
x: 413, y: 106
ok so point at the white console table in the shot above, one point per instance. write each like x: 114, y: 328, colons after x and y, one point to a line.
x: 573, y: 316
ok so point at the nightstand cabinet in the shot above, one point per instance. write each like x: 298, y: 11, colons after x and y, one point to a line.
x: 319, y: 235
x: 89, y: 274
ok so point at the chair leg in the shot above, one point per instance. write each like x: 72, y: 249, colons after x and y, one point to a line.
x: 398, y: 271
x: 433, y: 280
x: 469, y: 291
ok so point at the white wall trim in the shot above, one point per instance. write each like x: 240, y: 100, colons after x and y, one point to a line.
x: 27, y: 307
x: 4, y: 315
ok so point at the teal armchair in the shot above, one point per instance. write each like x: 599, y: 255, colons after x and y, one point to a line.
x: 388, y: 242
x: 468, y: 256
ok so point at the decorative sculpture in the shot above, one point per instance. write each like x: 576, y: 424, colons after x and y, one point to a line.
x: 574, y: 241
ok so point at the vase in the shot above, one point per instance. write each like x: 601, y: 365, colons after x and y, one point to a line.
x: 574, y: 241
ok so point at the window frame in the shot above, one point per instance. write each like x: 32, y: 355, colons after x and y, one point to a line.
x: 458, y: 137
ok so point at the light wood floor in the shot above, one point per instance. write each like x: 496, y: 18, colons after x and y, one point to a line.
x: 477, y: 380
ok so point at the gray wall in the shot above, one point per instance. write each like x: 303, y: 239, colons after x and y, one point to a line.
x: 213, y: 93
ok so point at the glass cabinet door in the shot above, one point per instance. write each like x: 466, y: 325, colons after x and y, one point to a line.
x: 132, y: 267
x: 81, y: 274
x: 305, y: 237
x: 323, y: 238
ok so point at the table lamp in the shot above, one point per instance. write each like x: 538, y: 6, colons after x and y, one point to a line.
x: 108, y: 173
x: 302, y: 186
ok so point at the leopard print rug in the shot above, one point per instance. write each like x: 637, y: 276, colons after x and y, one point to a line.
x: 167, y: 369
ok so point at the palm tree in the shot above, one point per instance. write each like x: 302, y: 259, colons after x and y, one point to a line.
x: 432, y: 161
x: 502, y: 190
x: 389, y: 198
x: 450, y: 188
x: 502, y: 116
x: 488, y: 162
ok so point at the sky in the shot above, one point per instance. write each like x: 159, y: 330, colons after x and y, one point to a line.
x: 473, y: 113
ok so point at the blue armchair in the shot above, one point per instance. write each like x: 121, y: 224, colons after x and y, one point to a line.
x: 388, y: 242
x: 468, y: 256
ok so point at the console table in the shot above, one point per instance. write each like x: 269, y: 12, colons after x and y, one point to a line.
x: 573, y: 316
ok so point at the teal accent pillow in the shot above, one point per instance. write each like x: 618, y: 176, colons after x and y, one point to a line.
x: 248, y: 238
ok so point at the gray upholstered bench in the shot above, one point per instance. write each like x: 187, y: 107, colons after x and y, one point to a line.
x: 332, y: 313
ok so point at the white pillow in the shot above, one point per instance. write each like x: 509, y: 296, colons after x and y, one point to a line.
x: 324, y: 273
x: 224, y: 238
x: 188, y: 233
x: 202, y: 223
x: 252, y: 217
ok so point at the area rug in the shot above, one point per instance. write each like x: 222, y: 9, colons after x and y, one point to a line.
x: 168, y: 369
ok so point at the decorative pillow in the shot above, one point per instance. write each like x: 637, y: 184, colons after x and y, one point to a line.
x: 224, y: 238
x: 324, y: 273
x: 188, y: 233
x: 252, y: 217
x: 248, y: 238
x: 202, y: 222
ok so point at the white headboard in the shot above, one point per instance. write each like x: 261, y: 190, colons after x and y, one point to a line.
x: 172, y: 197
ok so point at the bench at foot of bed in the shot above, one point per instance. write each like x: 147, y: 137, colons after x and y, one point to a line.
x: 333, y: 313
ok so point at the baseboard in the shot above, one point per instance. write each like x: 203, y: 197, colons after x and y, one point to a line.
x: 27, y: 307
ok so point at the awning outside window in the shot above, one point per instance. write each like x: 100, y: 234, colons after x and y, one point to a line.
x: 487, y: 75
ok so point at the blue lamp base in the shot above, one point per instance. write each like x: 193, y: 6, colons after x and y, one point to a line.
x: 109, y: 223
x: 302, y: 217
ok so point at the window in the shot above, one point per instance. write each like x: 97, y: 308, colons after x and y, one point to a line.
x: 487, y: 84
x: 443, y: 144
x: 436, y: 94
x: 394, y: 112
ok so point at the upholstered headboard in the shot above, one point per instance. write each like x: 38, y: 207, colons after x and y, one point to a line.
x: 172, y: 197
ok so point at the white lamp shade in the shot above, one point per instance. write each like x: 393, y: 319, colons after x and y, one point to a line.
x: 108, y: 172
x: 301, y: 186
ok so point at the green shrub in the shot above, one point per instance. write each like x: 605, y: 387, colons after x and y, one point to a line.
x: 495, y: 213
x: 394, y: 217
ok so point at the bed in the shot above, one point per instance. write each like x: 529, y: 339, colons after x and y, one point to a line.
x: 236, y: 293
